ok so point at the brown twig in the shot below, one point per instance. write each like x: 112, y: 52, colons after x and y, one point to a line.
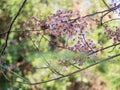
x: 107, y: 11
x: 111, y: 20
x: 105, y: 48
x: 106, y: 4
x: 19, y: 31
x: 82, y: 69
x: 7, y: 68
x: 10, y: 26
x: 101, y: 18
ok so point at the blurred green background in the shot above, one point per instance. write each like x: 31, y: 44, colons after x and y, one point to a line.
x: 22, y: 57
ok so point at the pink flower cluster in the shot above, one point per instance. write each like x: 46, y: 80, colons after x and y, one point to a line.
x: 63, y: 24
x: 115, y: 3
x: 113, y: 34
x: 87, y: 46
x: 66, y: 23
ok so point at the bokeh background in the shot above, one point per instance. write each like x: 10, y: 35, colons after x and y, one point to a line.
x: 22, y: 58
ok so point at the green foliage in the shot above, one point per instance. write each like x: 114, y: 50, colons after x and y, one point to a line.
x: 46, y: 58
x: 102, y: 68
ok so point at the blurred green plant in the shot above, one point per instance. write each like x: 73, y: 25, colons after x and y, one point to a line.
x: 19, y: 50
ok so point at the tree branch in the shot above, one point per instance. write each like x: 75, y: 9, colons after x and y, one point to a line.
x: 82, y: 69
x: 106, y: 4
x: 10, y: 26
x: 89, y: 66
x: 105, y: 48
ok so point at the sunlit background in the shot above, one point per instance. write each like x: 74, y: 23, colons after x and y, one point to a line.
x: 22, y: 57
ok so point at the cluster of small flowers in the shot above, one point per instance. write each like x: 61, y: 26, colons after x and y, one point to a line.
x: 115, y: 3
x: 70, y: 24
x: 63, y: 23
x: 87, y: 46
x: 115, y: 35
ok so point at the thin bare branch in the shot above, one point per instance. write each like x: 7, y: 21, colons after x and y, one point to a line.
x: 10, y: 26
x: 82, y: 69
x: 111, y: 20
x: 105, y: 48
x: 106, y: 4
